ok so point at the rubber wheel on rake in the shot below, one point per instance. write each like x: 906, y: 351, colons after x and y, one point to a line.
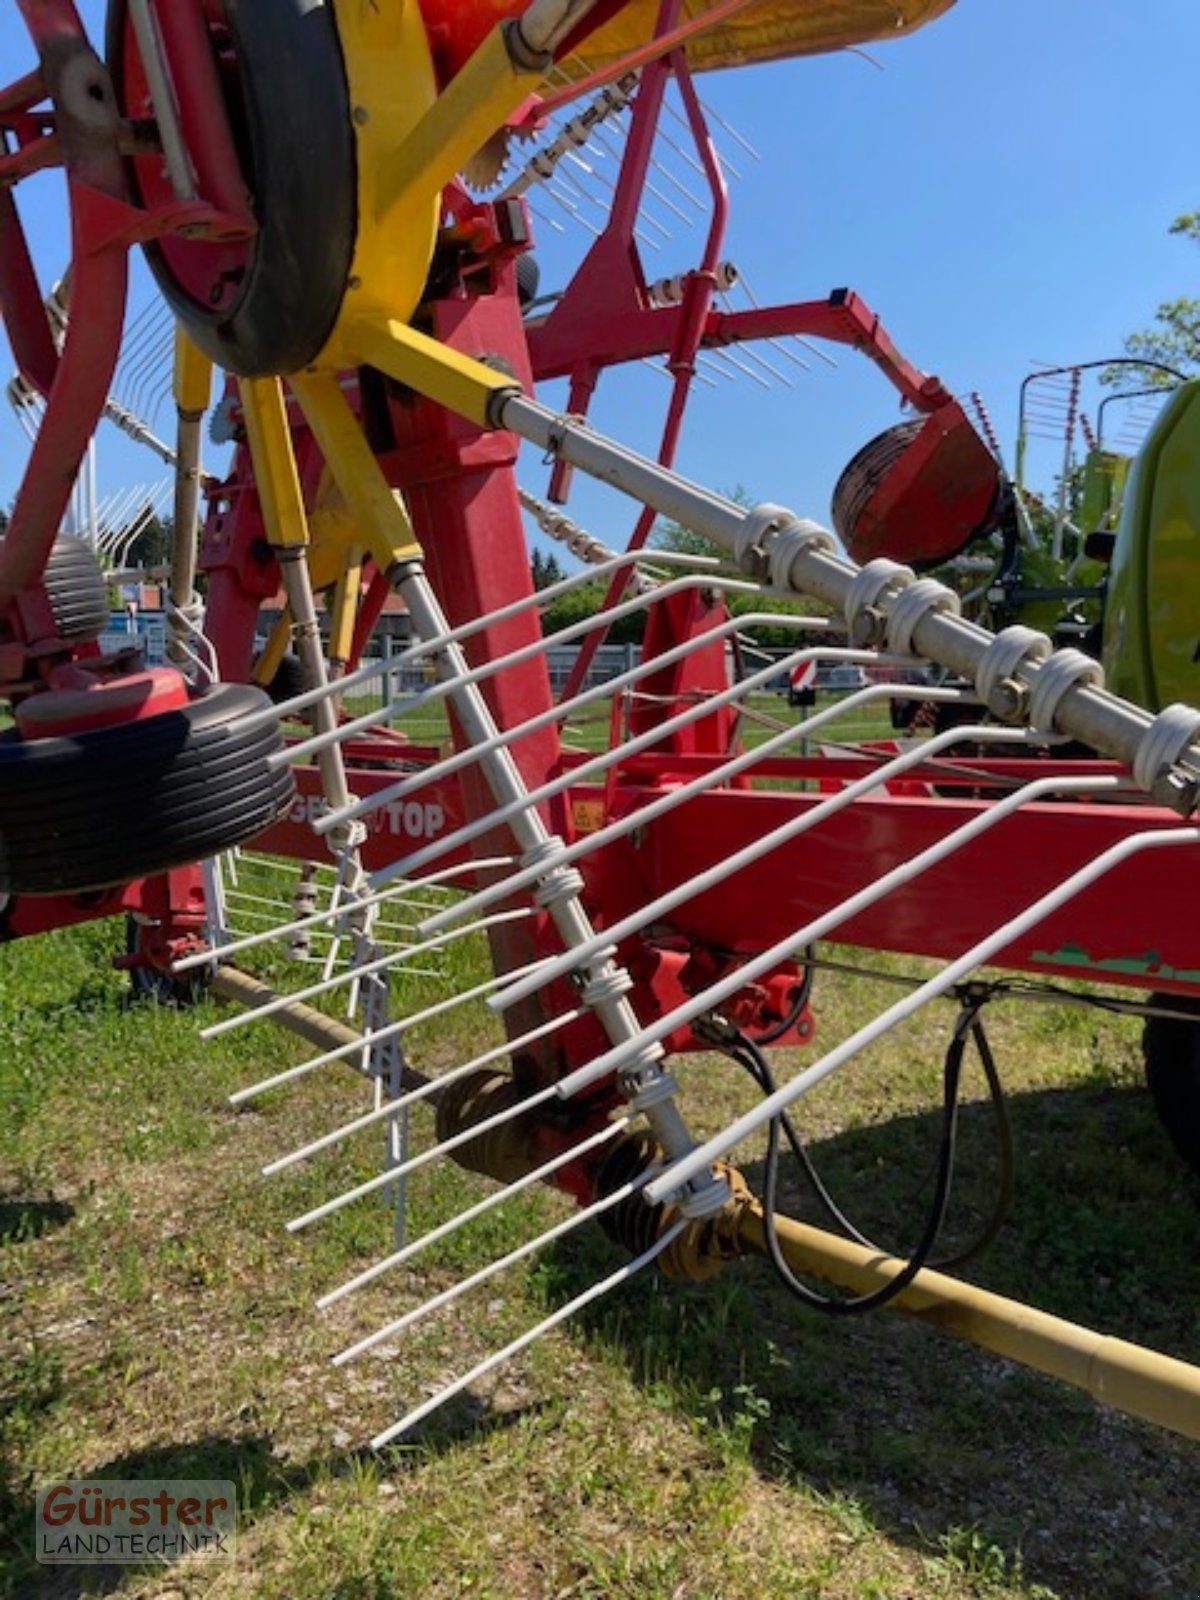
x: 76, y: 589
x: 918, y: 493
x: 88, y: 811
x: 289, y: 680
x: 863, y: 474
x: 1171, y: 1051
x: 267, y: 305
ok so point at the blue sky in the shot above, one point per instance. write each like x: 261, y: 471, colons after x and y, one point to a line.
x: 1000, y: 194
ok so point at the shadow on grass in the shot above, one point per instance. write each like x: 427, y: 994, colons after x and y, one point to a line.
x: 987, y: 1468
x: 264, y: 1484
x: 22, y: 1219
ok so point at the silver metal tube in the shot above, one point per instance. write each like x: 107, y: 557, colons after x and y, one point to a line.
x: 1102, y: 720
x: 162, y: 96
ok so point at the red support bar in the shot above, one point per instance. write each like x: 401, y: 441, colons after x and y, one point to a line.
x: 34, y: 155
x: 845, y: 318
x: 571, y: 336
x: 21, y: 307
x: 23, y: 94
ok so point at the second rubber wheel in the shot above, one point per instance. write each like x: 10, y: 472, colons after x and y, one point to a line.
x: 91, y: 810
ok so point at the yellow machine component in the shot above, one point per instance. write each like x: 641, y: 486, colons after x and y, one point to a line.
x: 379, y: 519
x: 343, y: 611
x: 392, y: 87
x: 767, y: 32
x: 192, y: 379
x: 411, y: 142
x: 459, y: 382
x: 275, y: 472
x: 274, y: 650
x: 465, y: 116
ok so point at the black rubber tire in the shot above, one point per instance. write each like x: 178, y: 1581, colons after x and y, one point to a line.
x: 93, y: 810
x: 865, y: 472
x: 289, y: 680
x: 76, y: 589
x: 294, y: 119
x: 1171, y: 1052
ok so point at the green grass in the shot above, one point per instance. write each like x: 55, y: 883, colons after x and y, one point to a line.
x: 766, y: 715
x: 677, y: 1442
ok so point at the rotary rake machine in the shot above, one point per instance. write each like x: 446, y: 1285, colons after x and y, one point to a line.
x: 648, y: 862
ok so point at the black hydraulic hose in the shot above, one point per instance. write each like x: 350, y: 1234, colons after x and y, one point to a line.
x: 969, y: 1026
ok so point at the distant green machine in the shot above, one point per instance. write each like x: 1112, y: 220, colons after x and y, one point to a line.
x: 1113, y: 564
x: 1151, y: 639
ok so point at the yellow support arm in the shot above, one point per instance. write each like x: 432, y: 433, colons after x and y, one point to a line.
x: 469, y: 111
x: 275, y: 473
x: 382, y: 523
x: 458, y: 382
x: 192, y: 381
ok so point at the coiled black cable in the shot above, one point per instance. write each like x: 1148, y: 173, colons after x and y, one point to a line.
x: 749, y: 1056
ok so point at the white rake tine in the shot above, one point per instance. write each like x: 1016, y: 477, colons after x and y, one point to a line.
x: 542, y: 216
x: 402, y: 706
x: 784, y: 948
x: 467, y: 630
x: 564, y: 709
x: 765, y: 844
x: 731, y: 131
x: 447, y: 687
x: 677, y: 797
x: 393, y: 1030
x: 721, y: 354
x: 570, y: 208
x: 367, y: 970
x: 752, y: 353
x: 673, y: 179
x: 700, y: 377
x: 614, y: 1281
x: 473, y: 1213
x: 706, y: 358
x: 491, y: 1269
x: 980, y: 954
x: 414, y: 1096
x: 606, y: 759
x: 259, y: 899
x: 688, y: 157
x: 390, y: 1174
x: 494, y: 1054
x: 305, y: 924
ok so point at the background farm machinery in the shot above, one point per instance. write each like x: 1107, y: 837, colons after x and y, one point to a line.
x: 332, y: 200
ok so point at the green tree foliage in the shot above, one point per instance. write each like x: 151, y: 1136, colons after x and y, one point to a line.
x: 3, y: 522
x: 546, y: 570
x: 585, y: 601
x: 1174, y: 340
x: 152, y: 547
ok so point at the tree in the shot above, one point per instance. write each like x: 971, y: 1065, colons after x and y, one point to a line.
x: 3, y: 522
x: 546, y: 570
x: 1174, y: 341
x: 152, y: 546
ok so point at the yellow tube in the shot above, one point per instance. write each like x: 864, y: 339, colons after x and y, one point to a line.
x: 375, y: 512
x: 1128, y: 1377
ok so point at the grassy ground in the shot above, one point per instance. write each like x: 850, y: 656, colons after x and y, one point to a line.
x: 763, y: 716
x: 713, y: 1441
